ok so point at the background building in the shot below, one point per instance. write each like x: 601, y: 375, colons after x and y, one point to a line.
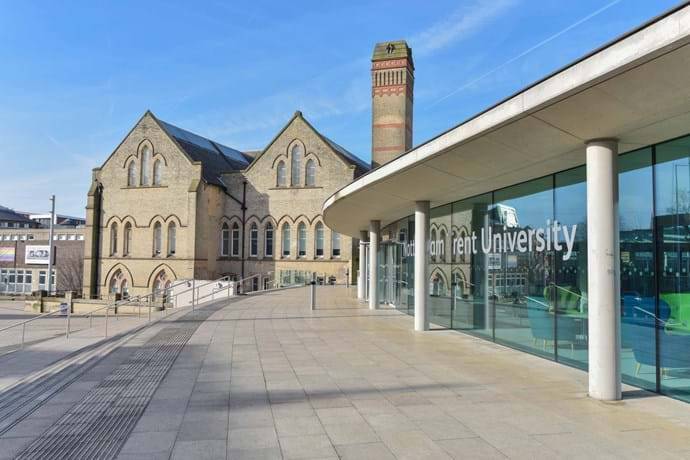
x: 169, y: 204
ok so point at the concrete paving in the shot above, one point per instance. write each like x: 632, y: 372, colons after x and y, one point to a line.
x: 265, y: 377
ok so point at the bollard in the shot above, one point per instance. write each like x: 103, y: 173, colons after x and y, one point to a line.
x: 312, y: 292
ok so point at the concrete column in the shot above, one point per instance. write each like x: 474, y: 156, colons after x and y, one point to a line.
x: 374, y: 233
x: 421, y: 281
x: 362, y: 277
x: 603, y: 270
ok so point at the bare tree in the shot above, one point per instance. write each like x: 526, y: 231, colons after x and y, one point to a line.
x: 70, y: 268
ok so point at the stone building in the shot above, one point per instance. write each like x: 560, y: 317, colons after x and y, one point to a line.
x: 169, y: 204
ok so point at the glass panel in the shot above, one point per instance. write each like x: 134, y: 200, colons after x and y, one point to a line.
x: 568, y: 292
x: 524, y: 314
x: 438, y: 258
x: 638, y: 287
x: 673, y: 232
x: 472, y: 307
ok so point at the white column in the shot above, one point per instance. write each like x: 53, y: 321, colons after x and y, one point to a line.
x: 374, y: 231
x: 362, y: 276
x: 603, y: 270
x: 421, y: 281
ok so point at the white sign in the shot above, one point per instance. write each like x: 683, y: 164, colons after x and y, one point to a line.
x: 552, y: 237
x: 39, y: 255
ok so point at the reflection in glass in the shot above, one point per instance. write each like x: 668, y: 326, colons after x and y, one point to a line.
x: 672, y: 179
x: 521, y: 282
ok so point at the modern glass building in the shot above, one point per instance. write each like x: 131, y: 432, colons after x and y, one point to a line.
x: 556, y: 222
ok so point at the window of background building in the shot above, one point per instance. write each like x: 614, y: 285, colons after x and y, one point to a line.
x: 127, y: 241
x: 335, y: 244
x: 225, y: 240
x: 296, y: 155
x: 157, y: 172
x: 281, y: 174
x: 311, y: 173
x: 286, y: 240
x: 301, y: 240
x: 268, y: 240
x: 172, y: 238
x: 113, y: 239
x: 157, y: 239
x: 319, y: 239
x: 132, y: 174
x: 254, y: 240
x: 235, y: 239
x: 145, y: 160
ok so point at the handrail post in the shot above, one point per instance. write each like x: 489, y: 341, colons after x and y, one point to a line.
x: 312, y: 291
x: 69, y: 316
x: 23, y: 334
x: 193, y: 292
x: 150, y: 309
x: 106, y: 320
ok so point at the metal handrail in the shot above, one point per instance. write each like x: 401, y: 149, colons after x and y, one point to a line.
x: 19, y: 323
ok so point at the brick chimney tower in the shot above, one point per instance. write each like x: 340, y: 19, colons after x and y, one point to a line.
x: 392, y: 84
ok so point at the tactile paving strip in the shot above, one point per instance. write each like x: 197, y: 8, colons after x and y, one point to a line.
x: 98, y: 426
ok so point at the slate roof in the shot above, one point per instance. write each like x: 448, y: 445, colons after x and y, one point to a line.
x: 351, y: 157
x: 7, y: 214
x: 215, y: 158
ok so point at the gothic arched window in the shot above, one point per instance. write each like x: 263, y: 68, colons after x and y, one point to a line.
x: 157, y: 172
x: 157, y: 239
x: 254, y: 240
x: 225, y: 240
x: 132, y: 174
x: 311, y: 173
x: 127, y: 243
x: 113, y: 239
x: 335, y: 244
x: 319, y: 239
x: 145, y: 160
x: 268, y: 240
x: 301, y: 240
x: 286, y: 240
x: 235, y: 239
x: 172, y: 238
x: 296, y: 155
x: 281, y: 175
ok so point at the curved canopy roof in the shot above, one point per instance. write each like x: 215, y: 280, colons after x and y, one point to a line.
x: 634, y: 89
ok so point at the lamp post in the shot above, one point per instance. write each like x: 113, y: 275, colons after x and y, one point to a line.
x: 50, y: 245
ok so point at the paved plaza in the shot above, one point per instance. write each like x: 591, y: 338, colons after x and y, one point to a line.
x: 264, y: 377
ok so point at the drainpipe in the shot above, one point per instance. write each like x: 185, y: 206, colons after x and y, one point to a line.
x: 244, y: 219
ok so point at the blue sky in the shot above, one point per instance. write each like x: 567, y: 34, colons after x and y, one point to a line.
x: 76, y: 75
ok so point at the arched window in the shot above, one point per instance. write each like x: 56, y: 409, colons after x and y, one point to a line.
x: 438, y: 286
x: 335, y: 244
x: 172, y: 238
x: 311, y: 173
x: 157, y: 239
x: 160, y: 284
x: 453, y: 246
x: 441, y: 246
x: 319, y: 239
x: 127, y: 246
x: 268, y: 240
x: 145, y: 160
x: 225, y: 240
x: 432, y: 251
x: 116, y: 282
x: 113, y: 239
x: 124, y: 289
x: 286, y: 240
x: 296, y: 164
x: 132, y: 174
x: 235, y: 239
x: 281, y: 178
x: 301, y: 240
x: 157, y: 172
x: 254, y: 240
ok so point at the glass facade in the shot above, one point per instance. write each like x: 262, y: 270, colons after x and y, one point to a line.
x: 511, y: 266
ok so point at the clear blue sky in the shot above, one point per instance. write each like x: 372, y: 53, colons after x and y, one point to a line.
x: 76, y: 75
